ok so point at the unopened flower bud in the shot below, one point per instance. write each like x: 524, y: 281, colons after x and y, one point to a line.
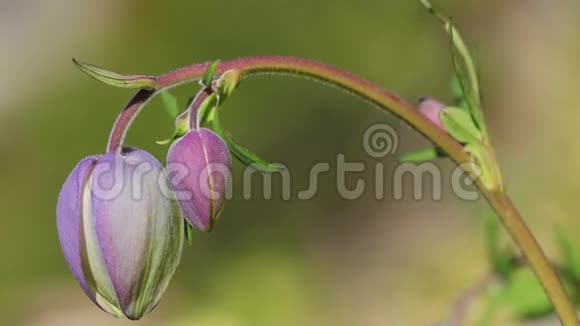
x: 198, y: 165
x: 118, y: 230
x: 431, y: 109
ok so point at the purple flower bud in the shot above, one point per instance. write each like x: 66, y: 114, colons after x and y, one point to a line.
x: 431, y: 108
x: 198, y: 165
x: 119, y: 232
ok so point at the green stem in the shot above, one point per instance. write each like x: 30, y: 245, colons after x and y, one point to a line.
x: 390, y: 103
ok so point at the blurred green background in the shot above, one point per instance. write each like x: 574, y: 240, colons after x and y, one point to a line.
x: 325, y: 261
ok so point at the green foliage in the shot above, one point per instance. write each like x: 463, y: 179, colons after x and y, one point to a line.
x: 457, y: 92
x: 465, y: 71
x: 570, y: 257
x: 466, y: 75
x: 525, y: 296
x: 521, y: 295
x: 208, y: 114
x: 519, y: 290
x: 466, y: 123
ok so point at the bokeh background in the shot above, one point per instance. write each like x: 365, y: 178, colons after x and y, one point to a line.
x: 325, y: 261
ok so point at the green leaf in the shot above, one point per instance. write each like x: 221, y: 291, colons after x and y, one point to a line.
x: 188, y: 233
x: 457, y: 93
x: 464, y: 67
x: 225, y: 87
x: 181, y: 128
x: 466, y: 75
x: 428, y: 5
x: 424, y: 155
x: 209, y: 74
x: 241, y: 153
x: 170, y: 103
x: 115, y: 79
x: 460, y: 125
x: 167, y: 141
x: 208, y: 113
x: 570, y: 258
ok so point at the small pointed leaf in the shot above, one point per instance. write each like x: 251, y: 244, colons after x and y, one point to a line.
x: 241, y: 153
x: 525, y: 296
x: 115, y: 79
x: 188, y: 233
x: 460, y: 125
x: 466, y: 75
x: 181, y: 128
x: 166, y: 141
x: 209, y: 74
x: 464, y: 67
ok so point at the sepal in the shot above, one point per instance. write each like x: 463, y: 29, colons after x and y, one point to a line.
x: 117, y: 80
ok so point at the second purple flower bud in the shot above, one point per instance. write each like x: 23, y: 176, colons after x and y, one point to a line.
x: 198, y: 165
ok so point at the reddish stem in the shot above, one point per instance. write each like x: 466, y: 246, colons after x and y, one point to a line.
x: 296, y: 67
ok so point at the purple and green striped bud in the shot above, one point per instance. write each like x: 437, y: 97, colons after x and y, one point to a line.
x: 198, y: 165
x: 431, y: 109
x: 119, y: 231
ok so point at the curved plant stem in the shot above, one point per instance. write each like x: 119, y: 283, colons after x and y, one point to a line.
x: 385, y: 101
x: 295, y: 67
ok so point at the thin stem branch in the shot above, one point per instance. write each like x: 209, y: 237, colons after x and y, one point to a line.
x: 387, y: 102
x: 194, y: 107
x: 463, y: 302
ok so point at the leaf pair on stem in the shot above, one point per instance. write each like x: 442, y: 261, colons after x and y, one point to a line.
x: 465, y: 123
